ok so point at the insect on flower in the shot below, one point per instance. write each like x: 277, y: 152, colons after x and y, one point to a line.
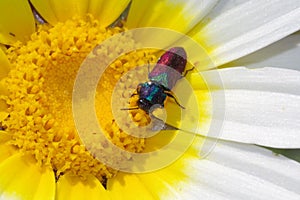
x: 167, y: 71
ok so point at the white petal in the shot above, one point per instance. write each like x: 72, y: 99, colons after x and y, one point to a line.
x: 269, y: 79
x: 262, y: 106
x: 237, y: 171
x: 245, y: 28
x: 284, y: 53
x: 264, y: 118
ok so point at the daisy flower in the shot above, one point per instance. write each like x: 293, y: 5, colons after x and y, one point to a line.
x: 246, y: 50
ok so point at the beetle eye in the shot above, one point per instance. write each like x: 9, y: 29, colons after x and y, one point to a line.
x: 144, y: 104
x: 141, y: 103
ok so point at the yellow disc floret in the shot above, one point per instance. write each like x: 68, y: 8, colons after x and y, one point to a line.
x: 39, y: 96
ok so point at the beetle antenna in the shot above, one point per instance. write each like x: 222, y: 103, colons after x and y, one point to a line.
x: 148, y: 67
x: 133, y: 108
x: 133, y: 94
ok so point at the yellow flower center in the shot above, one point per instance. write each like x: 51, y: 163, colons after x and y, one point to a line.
x: 39, y: 96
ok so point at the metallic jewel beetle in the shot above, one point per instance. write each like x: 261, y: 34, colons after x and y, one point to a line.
x: 167, y: 71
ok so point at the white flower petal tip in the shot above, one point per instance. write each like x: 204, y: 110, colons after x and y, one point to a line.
x: 261, y: 105
x: 247, y: 27
x: 179, y: 15
x: 240, y: 171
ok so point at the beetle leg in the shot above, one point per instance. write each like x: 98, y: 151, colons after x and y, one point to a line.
x: 170, y: 94
x: 187, y: 71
